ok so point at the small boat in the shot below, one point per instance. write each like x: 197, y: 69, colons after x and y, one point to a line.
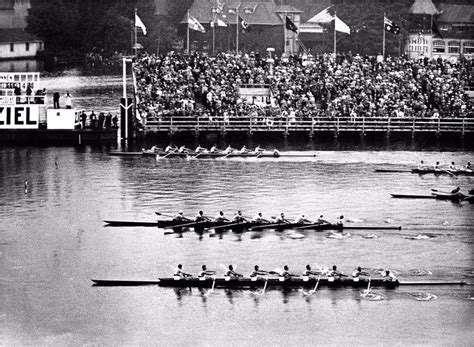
x: 274, y: 282
x: 429, y: 171
x: 436, y: 196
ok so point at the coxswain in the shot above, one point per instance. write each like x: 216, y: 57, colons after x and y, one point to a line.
x: 358, y: 272
x: 200, y: 217
x: 200, y: 149
x: 229, y: 150
x: 340, y: 222
x: 301, y: 219
x: 421, y: 165
x: 309, y: 272
x: 205, y: 272
x: 244, y: 150
x: 286, y: 273
x: 170, y: 148
x: 220, y: 217
x: 258, y: 219
x: 214, y: 149
x: 238, y: 218
x: 388, y: 276
x: 180, y: 273
x: 258, y: 273
x: 232, y: 273
x: 281, y: 219
x: 180, y: 217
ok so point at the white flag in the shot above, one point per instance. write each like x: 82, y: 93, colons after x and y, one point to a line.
x: 322, y: 17
x: 341, y: 26
x: 221, y: 23
x: 139, y: 23
x: 195, y: 25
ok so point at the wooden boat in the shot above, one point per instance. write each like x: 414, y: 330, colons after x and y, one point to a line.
x: 202, y: 155
x: 273, y: 282
x: 428, y: 171
x: 437, y: 196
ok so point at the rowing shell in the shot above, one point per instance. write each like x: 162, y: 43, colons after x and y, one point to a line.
x: 428, y: 171
x: 248, y: 283
x: 201, y: 155
x: 436, y: 196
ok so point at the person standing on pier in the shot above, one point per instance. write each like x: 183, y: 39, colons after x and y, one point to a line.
x: 56, y: 100
x: 68, y: 101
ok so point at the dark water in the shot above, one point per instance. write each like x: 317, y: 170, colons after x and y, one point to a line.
x: 52, y: 242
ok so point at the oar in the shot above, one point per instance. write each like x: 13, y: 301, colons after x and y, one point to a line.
x: 163, y: 214
x: 225, y: 156
x: 316, y: 286
x: 228, y: 225
x: 186, y: 225
x: 309, y: 226
x: 265, y: 285
x: 213, y: 284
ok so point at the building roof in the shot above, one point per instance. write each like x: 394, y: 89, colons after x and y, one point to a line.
x: 16, y: 35
x: 423, y: 7
x: 253, y: 12
x: 456, y: 13
x: 7, y: 4
x: 287, y: 9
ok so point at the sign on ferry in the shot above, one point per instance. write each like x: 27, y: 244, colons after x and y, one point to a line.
x: 19, y: 117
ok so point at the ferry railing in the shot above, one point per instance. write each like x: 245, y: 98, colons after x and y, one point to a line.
x: 22, y: 99
x: 286, y: 124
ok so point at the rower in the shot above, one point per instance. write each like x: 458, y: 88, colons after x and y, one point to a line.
x: 232, y: 273
x: 334, y: 272
x: 390, y: 277
x: 286, y: 273
x: 170, y: 148
x: 309, y: 272
x: 205, y: 273
x: 238, y: 218
x: 301, y: 219
x: 281, y: 219
x: 321, y: 220
x: 421, y: 165
x: 244, y: 150
x: 436, y: 166
x: 229, y: 150
x: 180, y: 273
x: 220, y: 217
x: 455, y: 191
x: 258, y: 273
x: 214, y: 149
x: 258, y: 219
x: 340, y: 222
x: 154, y: 148
x: 358, y: 272
x: 183, y: 149
x: 468, y: 167
x: 180, y: 217
x: 200, y: 149
x: 200, y: 217
x: 258, y: 149
x: 453, y: 167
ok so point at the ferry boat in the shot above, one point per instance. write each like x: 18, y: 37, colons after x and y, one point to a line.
x: 26, y: 118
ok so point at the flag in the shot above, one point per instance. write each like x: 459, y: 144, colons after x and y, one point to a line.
x: 218, y: 22
x: 391, y: 26
x: 139, y: 23
x: 195, y: 25
x: 435, y: 30
x: 244, y: 24
x: 341, y: 26
x: 291, y: 26
x: 322, y: 17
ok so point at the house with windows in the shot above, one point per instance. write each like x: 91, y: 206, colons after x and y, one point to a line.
x: 18, y: 44
x: 451, y: 34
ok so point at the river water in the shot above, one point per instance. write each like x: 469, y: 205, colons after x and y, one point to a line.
x: 53, y: 242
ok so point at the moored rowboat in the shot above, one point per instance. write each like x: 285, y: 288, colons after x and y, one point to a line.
x: 279, y: 283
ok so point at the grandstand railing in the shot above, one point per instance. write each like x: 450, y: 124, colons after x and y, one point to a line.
x: 286, y: 125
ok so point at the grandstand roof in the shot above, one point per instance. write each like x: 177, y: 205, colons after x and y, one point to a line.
x: 253, y: 12
x: 456, y: 13
x: 16, y: 35
x: 423, y: 7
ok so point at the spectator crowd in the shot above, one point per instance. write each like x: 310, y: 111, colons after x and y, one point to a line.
x: 325, y: 86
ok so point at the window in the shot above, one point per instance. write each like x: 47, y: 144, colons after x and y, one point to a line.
x: 439, y: 46
x: 468, y: 47
x: 418, y: 44
x: 12, y: 47
x: 27, y: 46
x: 453, y: 46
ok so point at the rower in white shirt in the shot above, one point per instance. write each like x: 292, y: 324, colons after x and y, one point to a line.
x: 183, y: 149
x: 214, y: 149
x: 421, y: 165
x: 258, y: 149
x: 170, y: 148
x: 220, y: 217
x: 206, y: 273
x: 301, y: 219
x: 229, y: 149
x: 258, y: 219
x: 244, y: 150
x: 200, y: 149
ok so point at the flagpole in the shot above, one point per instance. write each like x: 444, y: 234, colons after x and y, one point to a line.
x: 237, y: 29
x: 334, y: 34
x: 383, y: 35
x: 284, y: 33
x: 135, y: 27
x: 187, y: 35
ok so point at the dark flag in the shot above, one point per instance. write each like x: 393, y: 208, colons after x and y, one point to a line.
x: 391, y: 26
x: 435, y: 29
x: 291, y: 26
x: 245, y: 26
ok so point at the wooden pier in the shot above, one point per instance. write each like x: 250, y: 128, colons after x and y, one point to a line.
x: 196, y: 125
